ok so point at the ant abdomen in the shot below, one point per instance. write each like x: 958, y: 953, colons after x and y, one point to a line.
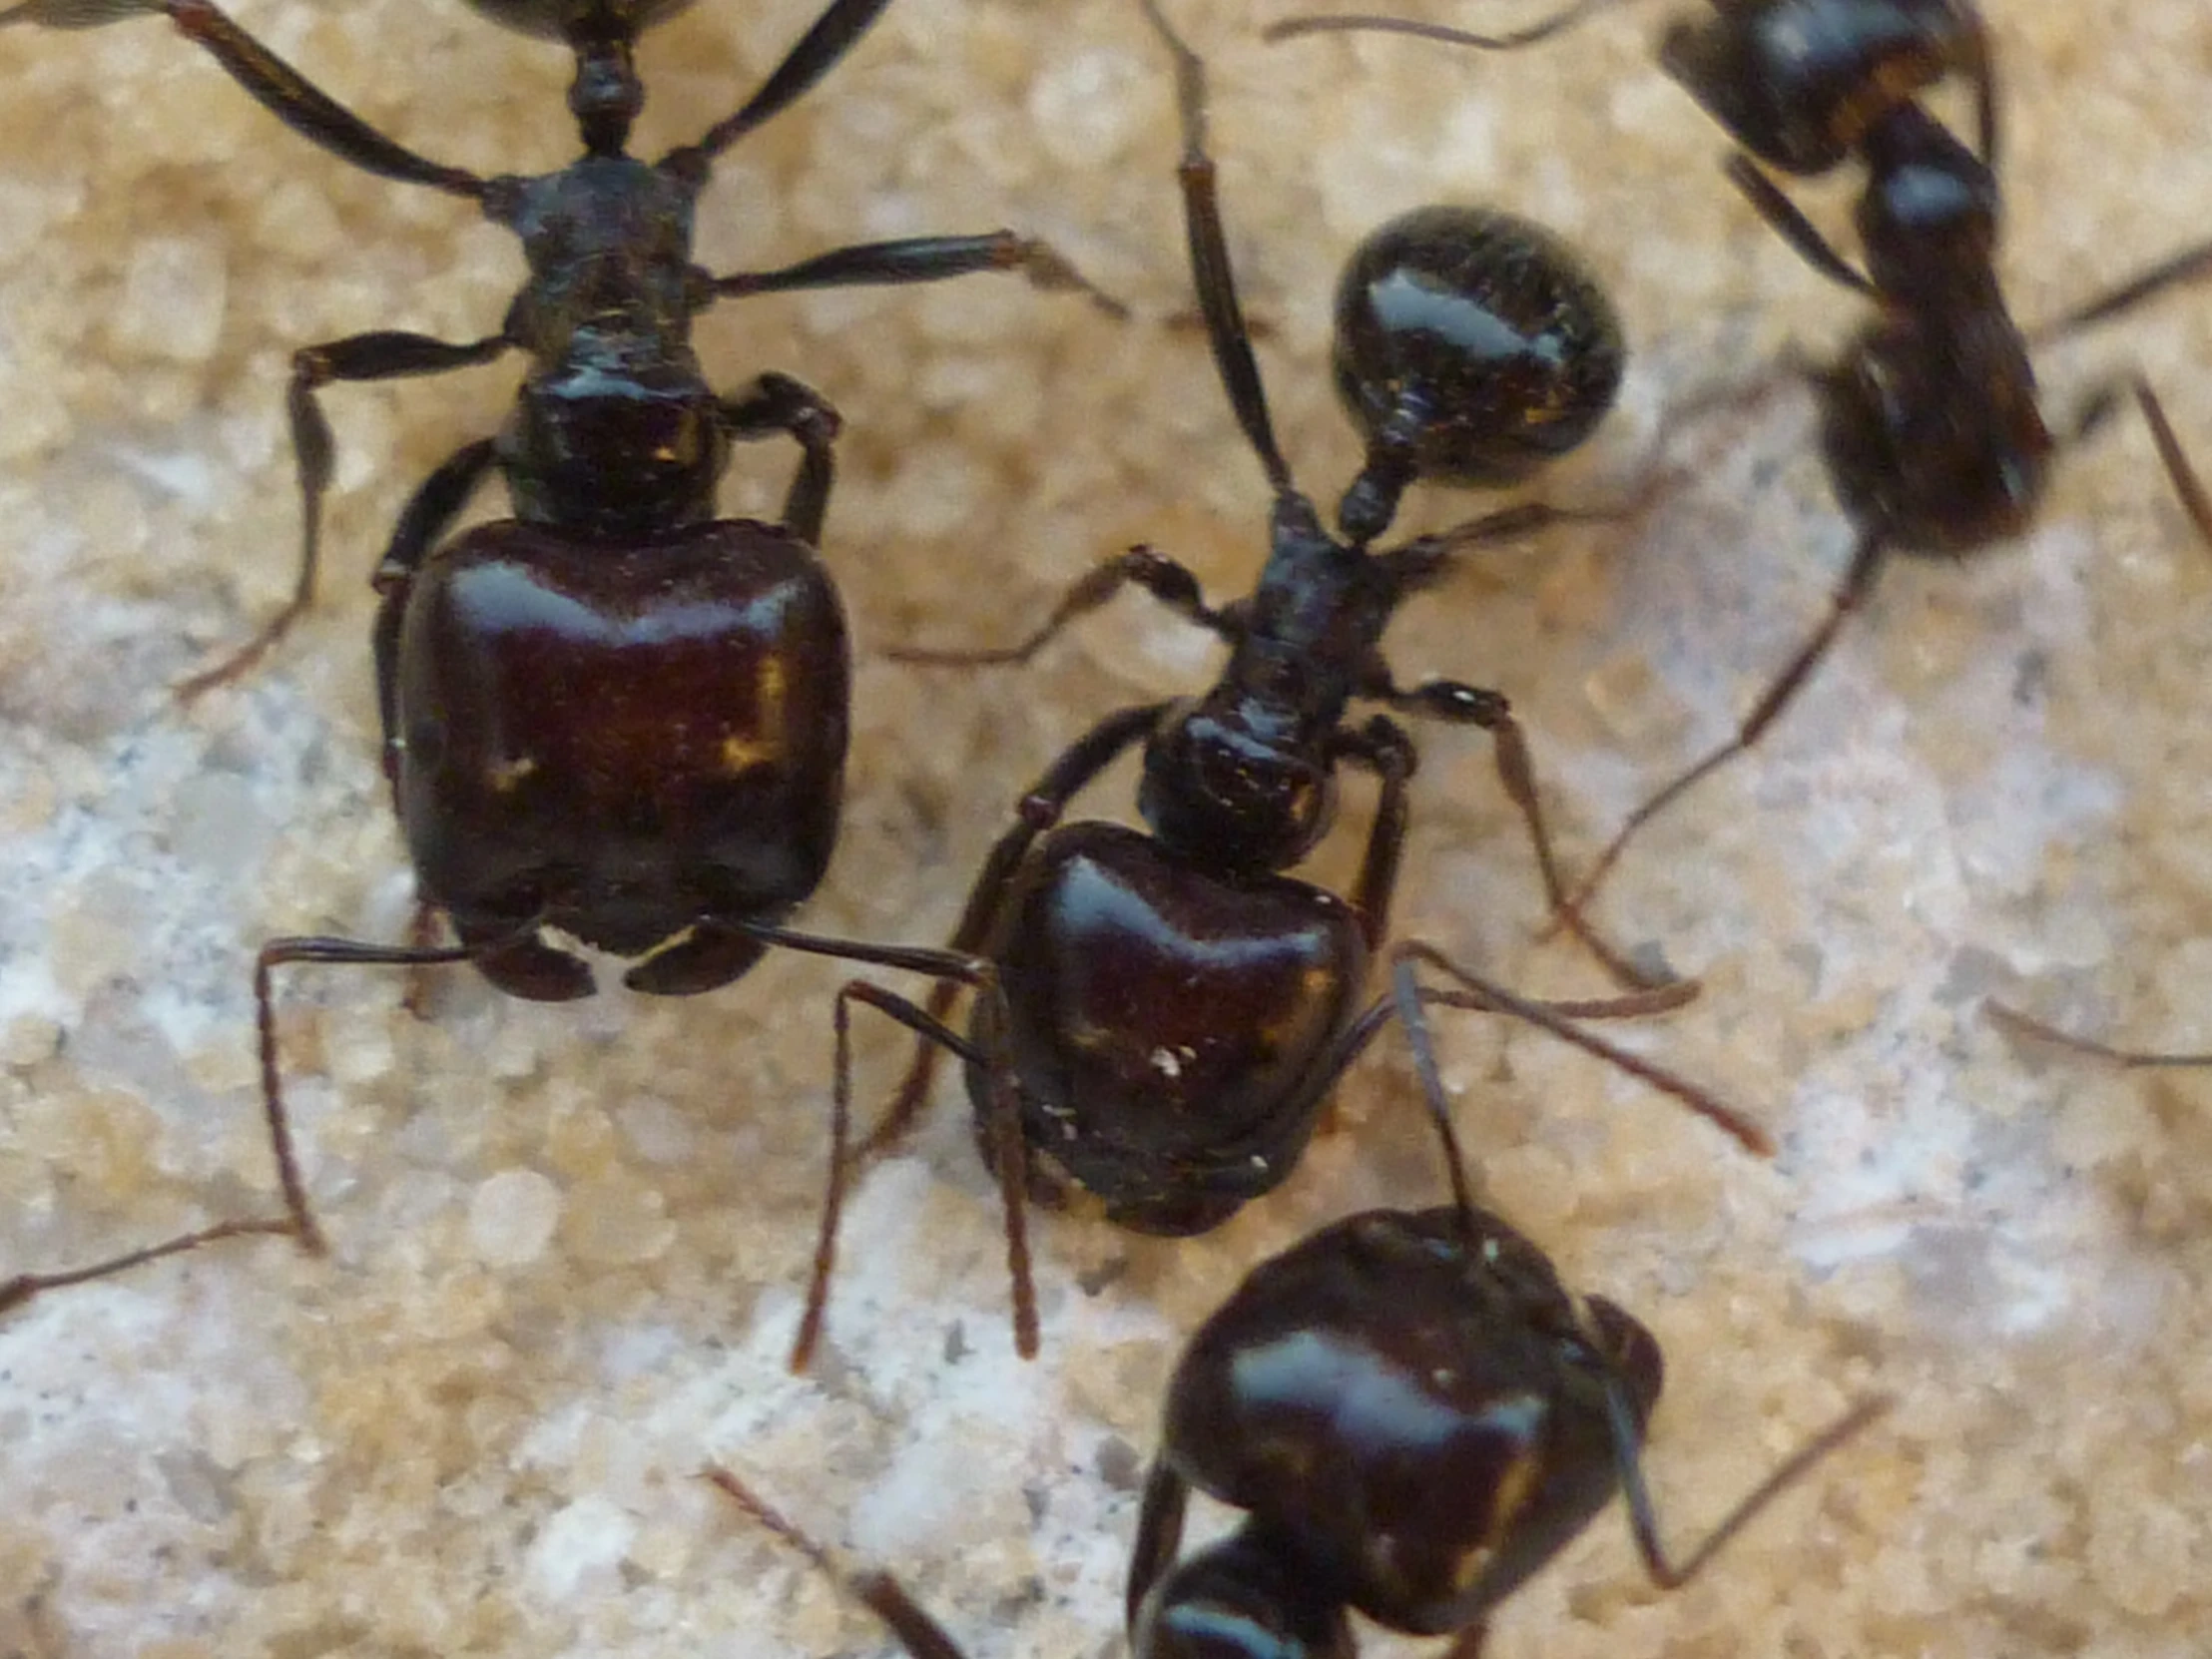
x: 1471, y: 347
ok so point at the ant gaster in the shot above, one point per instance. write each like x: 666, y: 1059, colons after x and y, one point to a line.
x: 615, y: 713
x: 1415, y: 1414
x: 1179, y: 1008
x: 1929, y: 426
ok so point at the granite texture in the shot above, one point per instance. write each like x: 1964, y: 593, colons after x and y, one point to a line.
x: 569, y: 1241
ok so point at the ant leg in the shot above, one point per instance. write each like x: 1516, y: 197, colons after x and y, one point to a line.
x: 1357, y: 23
x: 436, y: 502
x: 924, y: 259
x: 1788, y: 220
x: 1159, y: 1535
x: 1384, y: 749
x: 2188, y: 485
x: 273, y: 83
x: 1008, y: 1152
x: 1487, y: 997
x: 1450, y: 700
x: 2191, y: 264
x: 1211, y: 272
x: 1643, y: 1521
x: 1009, y: 1159
x: 1851, y: 593
x: 15, y: 1292
x: 384, y: 355
x: 1037, y: 812
x: 778, y: 403
x: 1144, y: 567
x: 2131, y: 1059
x: 919, y: 1635
x: 283, y: 953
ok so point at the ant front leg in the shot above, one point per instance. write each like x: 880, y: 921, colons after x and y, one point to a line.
x: 384, y: 356
x: 1159, y: 1540
x: 1643, y: 1521
x: 778, y: 403
x: 1142, y: 567
x: 1038, y: 810
x: 1008, y: 1152
x: 1849, y: 595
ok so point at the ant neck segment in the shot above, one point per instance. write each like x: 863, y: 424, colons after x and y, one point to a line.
x: 606, y: 95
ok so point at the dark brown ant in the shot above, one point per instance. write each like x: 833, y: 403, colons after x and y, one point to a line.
x: 1930, y: 431
x: 1414, y: 1413
x: 614, y: 713
x: 1180, y: 1009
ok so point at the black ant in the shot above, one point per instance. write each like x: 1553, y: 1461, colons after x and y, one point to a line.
x: 1179, y: 1008
x: 1930, y: 431
x: 1414, y: 1413
x: 614, y: 713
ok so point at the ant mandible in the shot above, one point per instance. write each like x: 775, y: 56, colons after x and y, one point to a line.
x: 1414, y: 1413
x: 1179, y: 1008
x: 1933, y: 438
x: 614, y: 713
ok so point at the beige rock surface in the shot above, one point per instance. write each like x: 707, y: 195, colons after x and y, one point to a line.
x: 569, y: 1239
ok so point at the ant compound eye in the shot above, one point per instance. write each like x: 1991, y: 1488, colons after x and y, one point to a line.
x: 1472, y: 347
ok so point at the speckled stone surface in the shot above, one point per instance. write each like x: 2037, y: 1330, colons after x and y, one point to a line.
x: 569, y: 1241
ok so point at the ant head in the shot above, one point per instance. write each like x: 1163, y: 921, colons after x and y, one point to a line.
x: 1247, y: 1597
x: 1799, y: 82
x: 1242, y: 794
x: 569, y: 20
x: 1471, y: 347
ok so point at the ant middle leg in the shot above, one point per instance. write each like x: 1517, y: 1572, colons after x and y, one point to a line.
x: 1849, y: 595
x: 384, y: 355
x: 912, y: 259
x: 1146, y: 567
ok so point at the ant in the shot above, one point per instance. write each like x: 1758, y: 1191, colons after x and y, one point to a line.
x: 1930, y: 431
x: 1179, y: 1008
x: 614, y: 713
x: 1414, y: 1413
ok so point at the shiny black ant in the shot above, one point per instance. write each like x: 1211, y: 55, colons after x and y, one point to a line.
x: 1933, y: 438
x: 615, y: 713
x: 1179, y: 1010
x: 1415, y: 1414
